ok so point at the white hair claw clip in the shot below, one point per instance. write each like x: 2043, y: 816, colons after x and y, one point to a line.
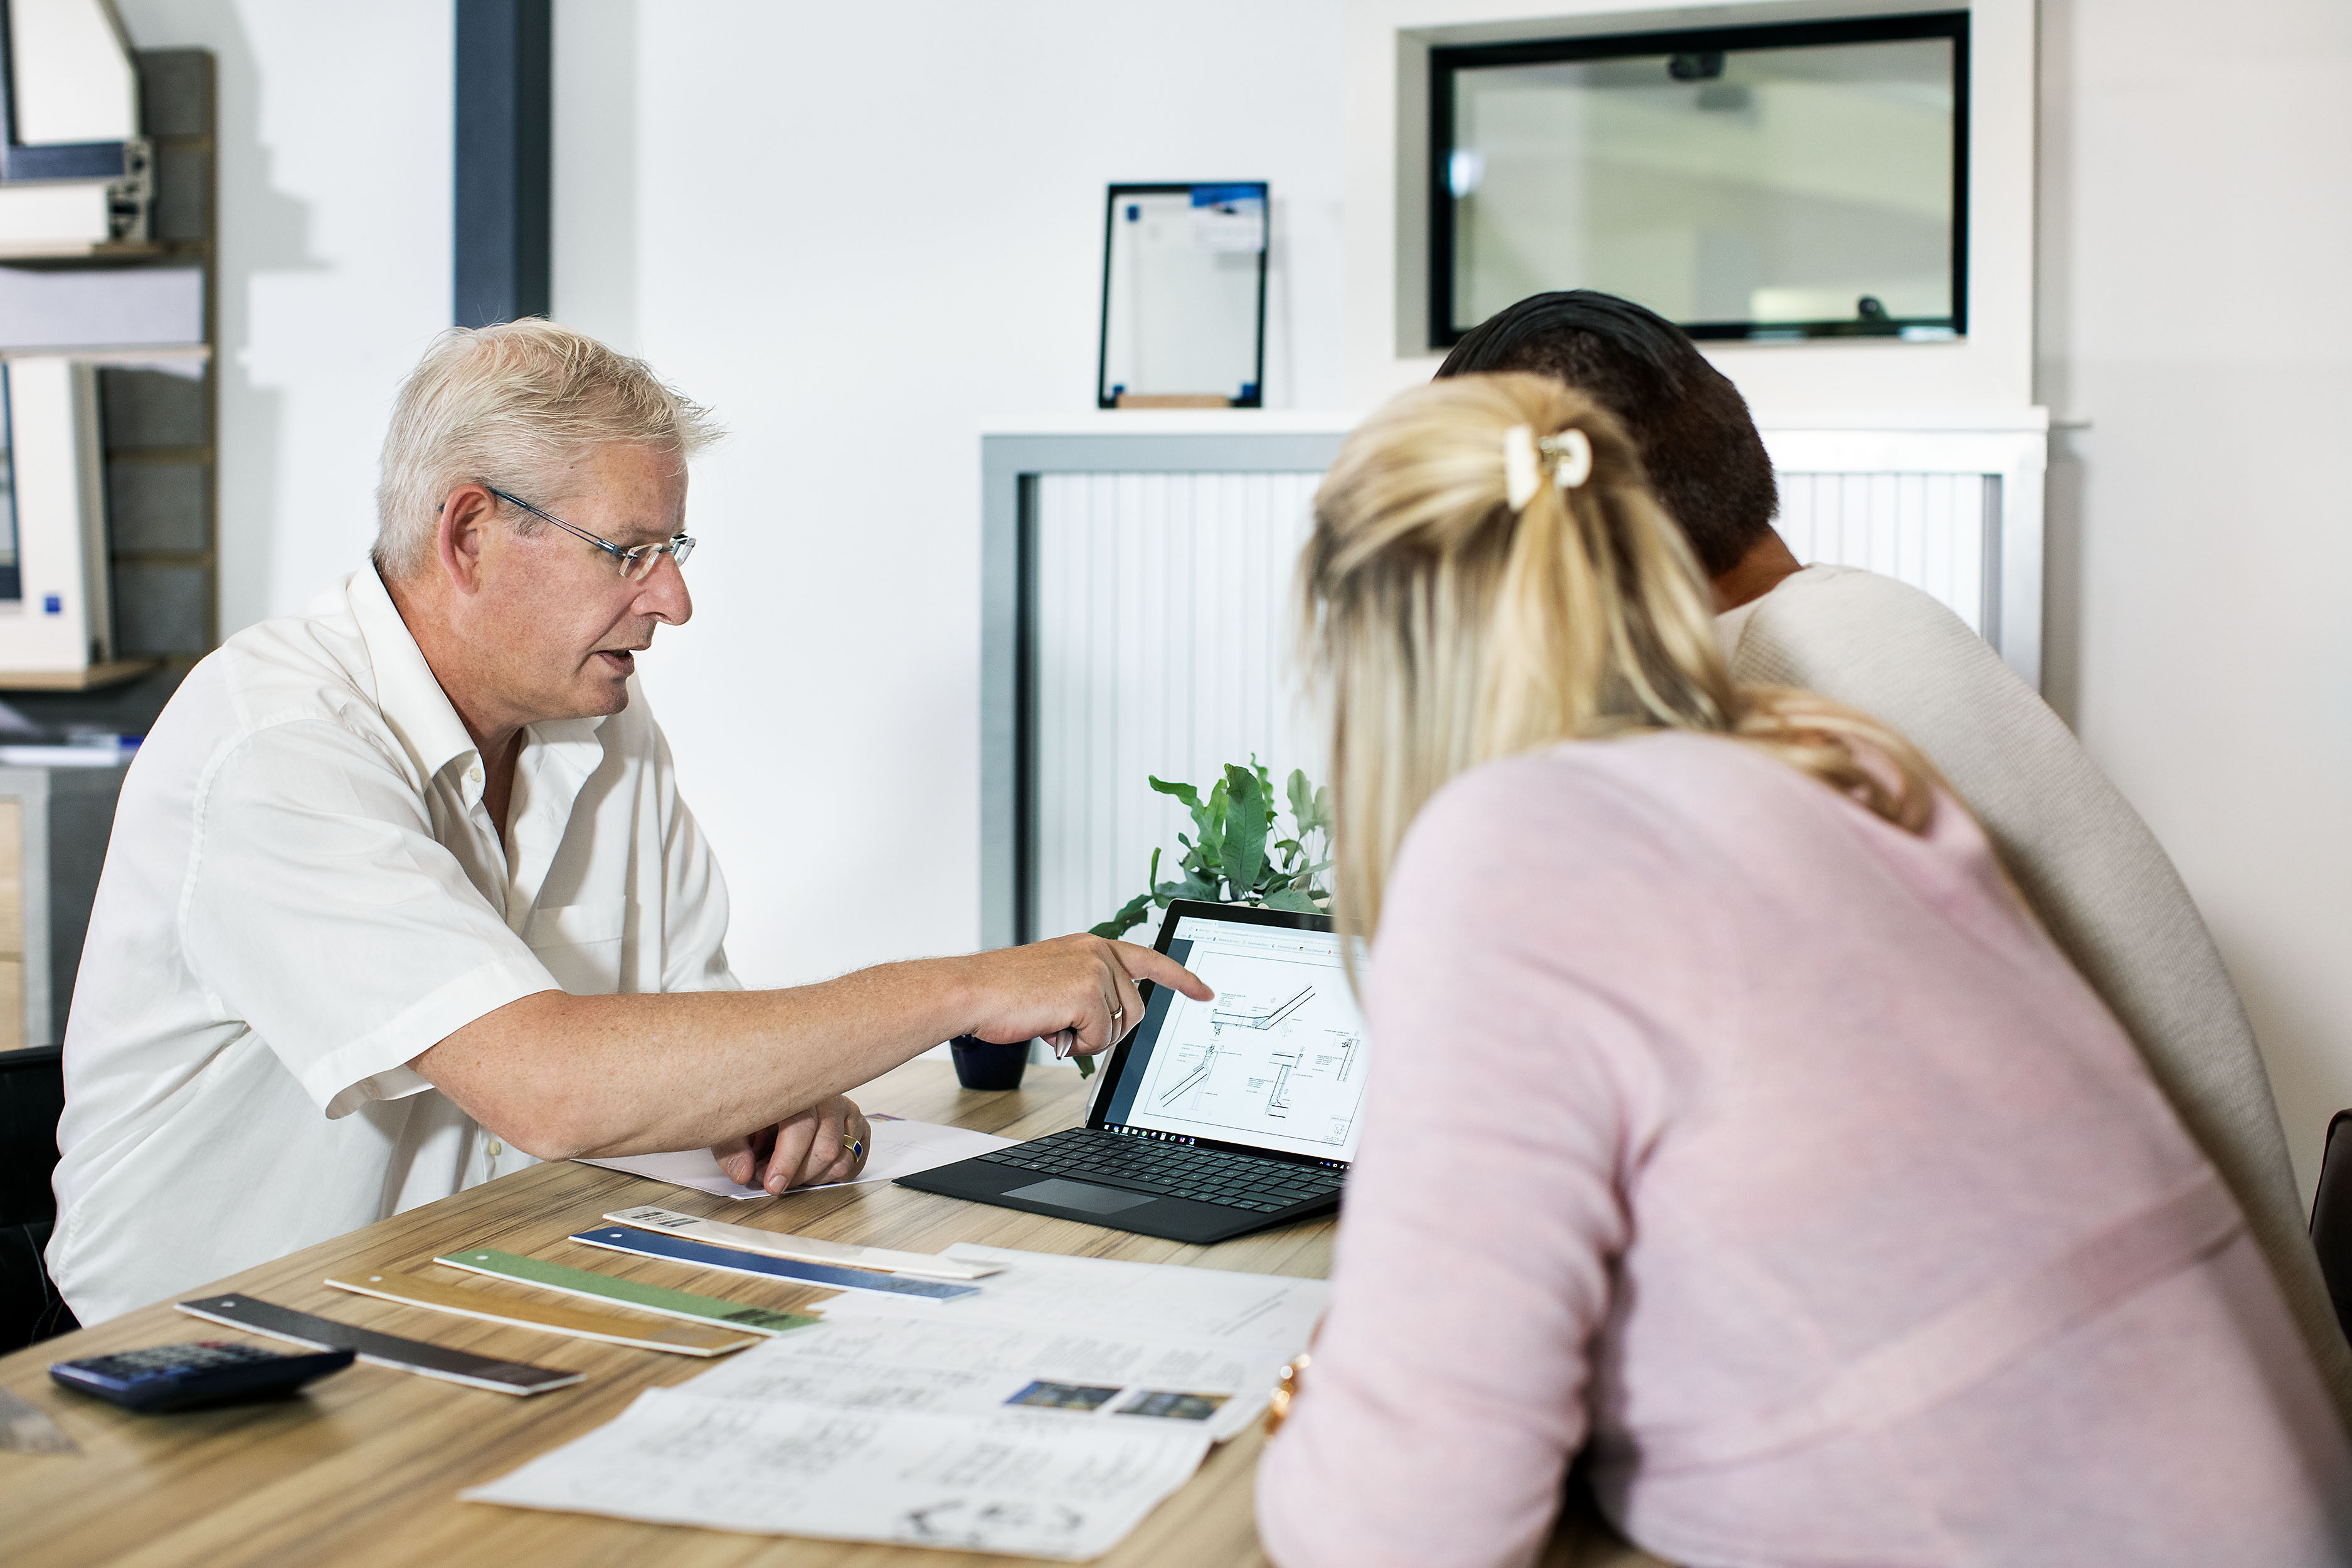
x: 1522, y: 471
x: 1569, y: 454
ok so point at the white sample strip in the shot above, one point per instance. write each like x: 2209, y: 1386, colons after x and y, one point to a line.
x: 900, y: 1148
x: 1247, y: 1312
x: 1023, y: 1483
x: 807, y: 1249
x: 954, y: 1367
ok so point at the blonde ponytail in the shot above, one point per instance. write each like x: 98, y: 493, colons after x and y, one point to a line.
x: 1449, y: 627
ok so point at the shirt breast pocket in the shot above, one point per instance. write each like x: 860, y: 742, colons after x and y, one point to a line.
x: 580, y: 945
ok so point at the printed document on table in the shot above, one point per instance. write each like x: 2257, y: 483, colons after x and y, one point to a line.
x: 954, y: 1366
x: 1022, y: 1483
x: 1246, y: 1312
x: 901, y: 1148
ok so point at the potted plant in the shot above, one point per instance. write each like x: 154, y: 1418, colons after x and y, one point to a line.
x: 1231, y: 861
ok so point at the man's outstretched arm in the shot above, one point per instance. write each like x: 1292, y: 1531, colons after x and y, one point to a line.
x: 562, y: 1077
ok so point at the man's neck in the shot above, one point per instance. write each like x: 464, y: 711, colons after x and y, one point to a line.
x: 1767, y: 565
x: 498, y: 741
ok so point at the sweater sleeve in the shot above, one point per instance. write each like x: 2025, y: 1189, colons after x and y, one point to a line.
x: 1449, y: 1387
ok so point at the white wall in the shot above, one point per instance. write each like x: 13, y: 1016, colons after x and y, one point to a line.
x: 2196, y: 216
x: 334, y: 264
x: 859, y: 232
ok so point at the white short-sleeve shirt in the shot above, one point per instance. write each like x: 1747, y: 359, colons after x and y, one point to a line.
x: 304, y: 891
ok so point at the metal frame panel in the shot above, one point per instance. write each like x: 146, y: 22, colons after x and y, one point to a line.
x: 2012, y: 460
x: 1007, y: 465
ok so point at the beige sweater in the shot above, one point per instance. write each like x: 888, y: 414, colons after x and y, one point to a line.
x: 2093, y: 872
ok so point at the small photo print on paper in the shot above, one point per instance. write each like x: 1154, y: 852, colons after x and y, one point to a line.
x: 1174, y: 1406
x: 1063, y: 1396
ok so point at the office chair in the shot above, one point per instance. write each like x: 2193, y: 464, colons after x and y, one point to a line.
x: 2331, y: 1216
x: 32, y: 1097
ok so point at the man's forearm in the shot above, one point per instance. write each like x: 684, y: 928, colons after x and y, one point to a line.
x: 560, y: 1075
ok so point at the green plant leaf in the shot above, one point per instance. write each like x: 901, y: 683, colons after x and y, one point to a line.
x: 1214, y: 819
x: 1249, y: 812
x: 1086, y: 1066
x: 1128, y: 917
x: 1182, y: 792
x: 1191, y: 887
x: 1293, y: 899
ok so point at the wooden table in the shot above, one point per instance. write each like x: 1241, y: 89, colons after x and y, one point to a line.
x: 366, y: 1467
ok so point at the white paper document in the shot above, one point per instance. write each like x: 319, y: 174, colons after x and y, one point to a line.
x: 953, y: 1366
x: 901, y: 1148
x: 1026, y: 1482
x: 1246, y: 1312
x: 1047, y: 1415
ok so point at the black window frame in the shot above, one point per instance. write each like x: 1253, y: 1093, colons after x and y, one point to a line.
x: 1445, y: 60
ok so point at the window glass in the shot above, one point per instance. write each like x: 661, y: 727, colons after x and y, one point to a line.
x: 1763, y: 191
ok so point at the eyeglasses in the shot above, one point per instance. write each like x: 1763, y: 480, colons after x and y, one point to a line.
x: 636, y: 564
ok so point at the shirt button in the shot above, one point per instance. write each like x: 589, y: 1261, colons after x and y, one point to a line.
x: 473, y: 775
x: 497, y: 1148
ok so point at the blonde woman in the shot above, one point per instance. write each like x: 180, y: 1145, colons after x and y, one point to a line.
x: 1734, y: 1128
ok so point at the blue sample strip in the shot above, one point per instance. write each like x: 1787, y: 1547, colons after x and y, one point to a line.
x: 734, y: 1260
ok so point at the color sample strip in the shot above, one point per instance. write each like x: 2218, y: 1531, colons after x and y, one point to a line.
x: 381, y: 1350
x: 627, y: 1292
x: 808, y: 1249
x: 701, y: 1255
x: 681, y: 1338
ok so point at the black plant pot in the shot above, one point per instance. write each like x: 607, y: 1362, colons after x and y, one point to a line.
x: 983, y: 1063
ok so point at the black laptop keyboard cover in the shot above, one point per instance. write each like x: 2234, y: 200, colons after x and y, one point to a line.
x: 1172, y: 1170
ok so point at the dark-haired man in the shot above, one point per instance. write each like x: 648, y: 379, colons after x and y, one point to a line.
x: 2091, y: 869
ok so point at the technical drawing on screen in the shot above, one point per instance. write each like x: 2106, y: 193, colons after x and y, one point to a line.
x: 1278, y: 1059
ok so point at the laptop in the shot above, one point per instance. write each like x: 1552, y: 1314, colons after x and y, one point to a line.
x: 1212, y: 1118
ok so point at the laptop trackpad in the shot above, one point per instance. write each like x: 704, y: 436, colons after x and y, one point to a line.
x: 1080, y: 1195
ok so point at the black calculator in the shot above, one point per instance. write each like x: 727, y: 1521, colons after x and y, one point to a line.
x: 208, y: 1372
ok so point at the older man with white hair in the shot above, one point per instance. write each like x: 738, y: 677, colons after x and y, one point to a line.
x: 402, y: 894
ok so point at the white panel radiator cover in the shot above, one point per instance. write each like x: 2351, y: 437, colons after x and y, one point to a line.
x: 1936, y: 531
x: 1161, y: 639
x: 1159, y: 617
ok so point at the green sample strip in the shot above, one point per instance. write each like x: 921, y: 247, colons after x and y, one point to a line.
x: 628, y: 1293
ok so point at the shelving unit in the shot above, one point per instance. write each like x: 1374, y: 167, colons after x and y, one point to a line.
x: 160, y: 418
x: 159, y: 410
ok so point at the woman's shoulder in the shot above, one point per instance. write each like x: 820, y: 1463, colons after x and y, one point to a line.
x: 1676, y: 812
x: 1640, y: 783
x: 1586, y: 811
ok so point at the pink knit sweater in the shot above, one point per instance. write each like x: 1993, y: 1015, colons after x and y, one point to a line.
x: 1768, y: 1155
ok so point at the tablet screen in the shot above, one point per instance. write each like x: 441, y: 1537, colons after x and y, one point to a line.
x: 1276, y: 1062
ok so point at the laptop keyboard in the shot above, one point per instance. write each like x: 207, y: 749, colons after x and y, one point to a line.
x: 1172, y: 1170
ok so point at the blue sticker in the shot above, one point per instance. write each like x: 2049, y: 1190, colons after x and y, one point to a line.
x: 1134, y: 212
x: 1249, y: 390
x: 53, y: 605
